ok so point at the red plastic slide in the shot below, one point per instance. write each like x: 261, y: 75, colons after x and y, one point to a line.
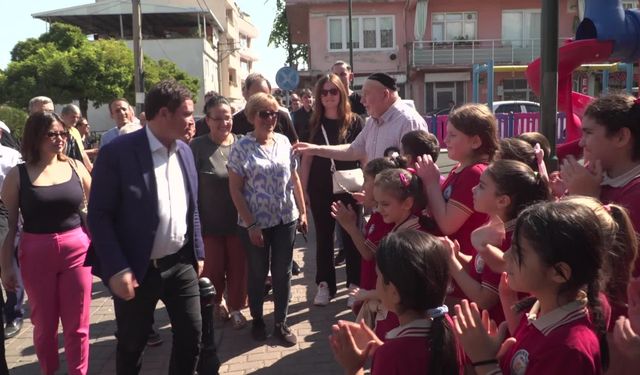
x: 570, y: 56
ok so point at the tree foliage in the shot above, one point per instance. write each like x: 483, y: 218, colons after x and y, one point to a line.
x: 63, y: 65
x: 281, y: 37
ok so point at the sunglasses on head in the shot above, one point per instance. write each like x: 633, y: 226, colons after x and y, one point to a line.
x: 333, y: 92
x: 53, y: 135
x: 265, y: 115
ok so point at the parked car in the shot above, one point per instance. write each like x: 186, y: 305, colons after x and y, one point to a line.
x: 515, y: 106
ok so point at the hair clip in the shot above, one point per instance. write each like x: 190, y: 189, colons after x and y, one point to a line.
x: 411, y: 170
x: 404, y: 180
x: 607, y: 207
x: 438, y: 312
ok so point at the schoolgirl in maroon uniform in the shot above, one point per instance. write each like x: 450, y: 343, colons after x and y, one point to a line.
x: 412, y: 279
x: 506, y: 187
x: 556, y: 257
x: 471, y: 141
x: 611, y: 144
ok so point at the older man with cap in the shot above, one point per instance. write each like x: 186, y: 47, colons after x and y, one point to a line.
x: 389, y: 120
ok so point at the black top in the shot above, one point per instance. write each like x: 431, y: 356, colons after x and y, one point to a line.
x: 49, y: 209
x: 301, y: 123
x: 218, y: 214
x: 201, y: 127
x: 242, y: 126
x: 356, y: 104
x: 320, y: 171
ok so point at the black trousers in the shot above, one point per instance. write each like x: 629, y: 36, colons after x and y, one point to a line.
x: 177, y: 287
x: 325, y: 225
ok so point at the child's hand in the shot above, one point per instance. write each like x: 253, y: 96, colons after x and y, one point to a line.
x: 454, y: 248
x: 508, y: 296
x: 633, y: 297
x: 581, y: 180
x: 362, y: 295
x: 352, y: 344
x: 492, y: 233
x: 344, y: 215
x: 480, y: 337
x: 627, y: 340
x: 557, y: 185
x: 542, y: 167
x: 427, y: 170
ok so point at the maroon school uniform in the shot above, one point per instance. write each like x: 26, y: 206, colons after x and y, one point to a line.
x: 374, y: 232
x: 387, y: 320
x: 560, y: 342
x: 456, y: 190
x: 407, y: 351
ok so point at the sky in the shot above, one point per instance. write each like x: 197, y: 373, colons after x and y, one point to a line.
x: 17, y: 24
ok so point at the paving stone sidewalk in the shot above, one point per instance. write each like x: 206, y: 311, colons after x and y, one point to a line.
x: 238, y: 353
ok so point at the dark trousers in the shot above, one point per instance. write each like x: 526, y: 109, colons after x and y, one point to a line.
x: 277, y: 255
x: 325, y: 226
x: 178, y: 288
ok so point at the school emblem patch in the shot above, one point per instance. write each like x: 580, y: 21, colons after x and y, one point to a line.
x: 372, y: 228
x: 519, y: 362
x: 447, y: 193
x: 479, y: 264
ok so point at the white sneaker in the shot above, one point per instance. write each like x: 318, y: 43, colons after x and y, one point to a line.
x: 352, y: 299
x: 322, y: 295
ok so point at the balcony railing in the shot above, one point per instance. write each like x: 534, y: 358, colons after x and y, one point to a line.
x: 468, y: 52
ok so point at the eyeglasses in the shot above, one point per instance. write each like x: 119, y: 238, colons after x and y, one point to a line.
x: 54, y: 135
x: 333, y: 92
x: 265, y: 115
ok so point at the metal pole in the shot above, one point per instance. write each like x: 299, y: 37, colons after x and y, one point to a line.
x: 137, y: 55
x: 351, y: 38
x: 549, y: 67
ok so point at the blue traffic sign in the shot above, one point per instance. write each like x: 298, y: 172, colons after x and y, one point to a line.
x: 287, y: 78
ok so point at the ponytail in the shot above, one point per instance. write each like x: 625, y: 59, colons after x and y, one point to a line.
x: 621, y: 255
x: 598, y: 321
x: 444, y: 353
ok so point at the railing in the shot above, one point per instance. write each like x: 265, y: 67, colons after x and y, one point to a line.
x: 509, y: 125
x: 467, y: 52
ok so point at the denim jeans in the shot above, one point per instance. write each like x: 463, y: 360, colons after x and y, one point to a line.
x: 278, y: 248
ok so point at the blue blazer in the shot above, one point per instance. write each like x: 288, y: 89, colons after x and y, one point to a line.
x: 123, y: 206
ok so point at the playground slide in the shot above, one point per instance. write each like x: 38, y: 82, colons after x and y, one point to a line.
x: 570, y: 57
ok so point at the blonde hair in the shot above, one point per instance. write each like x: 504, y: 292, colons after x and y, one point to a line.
x: 619, y: 257
x: 259, y: 102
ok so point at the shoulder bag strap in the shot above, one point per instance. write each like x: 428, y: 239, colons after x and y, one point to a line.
x: 326, y: 139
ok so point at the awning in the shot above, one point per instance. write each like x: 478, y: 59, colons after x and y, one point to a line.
x: 111, y: 17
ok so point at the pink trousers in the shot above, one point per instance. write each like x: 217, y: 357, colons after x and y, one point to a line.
x: 225, y: 264
x: 59, y: 288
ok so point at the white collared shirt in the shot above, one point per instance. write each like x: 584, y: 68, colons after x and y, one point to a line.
x: 171, y: 234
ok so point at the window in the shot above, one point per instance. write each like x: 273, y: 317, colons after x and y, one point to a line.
x: 368, y: 32
x: 629, y: 4
x: 516, y: 89
x: 521, y: 27
x: 454, y: 26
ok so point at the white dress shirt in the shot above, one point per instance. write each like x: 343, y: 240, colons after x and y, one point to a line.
x: 171, y: 234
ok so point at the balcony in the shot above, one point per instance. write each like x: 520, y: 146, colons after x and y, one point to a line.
x: 424, y: 54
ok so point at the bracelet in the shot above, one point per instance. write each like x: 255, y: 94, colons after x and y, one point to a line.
x: 485, y: 362
x: 252, y: 225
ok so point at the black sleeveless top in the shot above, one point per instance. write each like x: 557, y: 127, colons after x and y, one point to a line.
x: 49, y: 209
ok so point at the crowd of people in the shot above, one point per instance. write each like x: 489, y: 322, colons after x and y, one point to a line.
x: 499, y: 267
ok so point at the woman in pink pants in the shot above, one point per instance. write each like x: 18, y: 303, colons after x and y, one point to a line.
x: 48, y: 191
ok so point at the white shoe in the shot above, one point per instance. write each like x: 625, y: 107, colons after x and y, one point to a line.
x: 322, y: 295
x: 352, y: 299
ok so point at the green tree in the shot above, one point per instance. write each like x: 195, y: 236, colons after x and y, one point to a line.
x: 65, y: 66
x: 14, y: 118
x: 280, y: 36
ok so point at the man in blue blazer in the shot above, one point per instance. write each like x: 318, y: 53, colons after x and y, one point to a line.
x: 143, y: 217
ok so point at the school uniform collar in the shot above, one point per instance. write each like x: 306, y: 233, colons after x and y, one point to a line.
x: 416, y: 328
x: 623, y: 179
x: 563, y: 315
x: 510, y: 225
x: 412, y: 222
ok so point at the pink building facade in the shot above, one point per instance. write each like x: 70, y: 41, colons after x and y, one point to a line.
x: 432, y: 62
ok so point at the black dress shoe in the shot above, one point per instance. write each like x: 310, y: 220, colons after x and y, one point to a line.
x: 295, y: 268
x: 13, y: 328
x: 340, y: 258
x: 154, y: 339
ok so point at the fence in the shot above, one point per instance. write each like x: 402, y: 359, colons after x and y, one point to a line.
x: 509, y: 125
